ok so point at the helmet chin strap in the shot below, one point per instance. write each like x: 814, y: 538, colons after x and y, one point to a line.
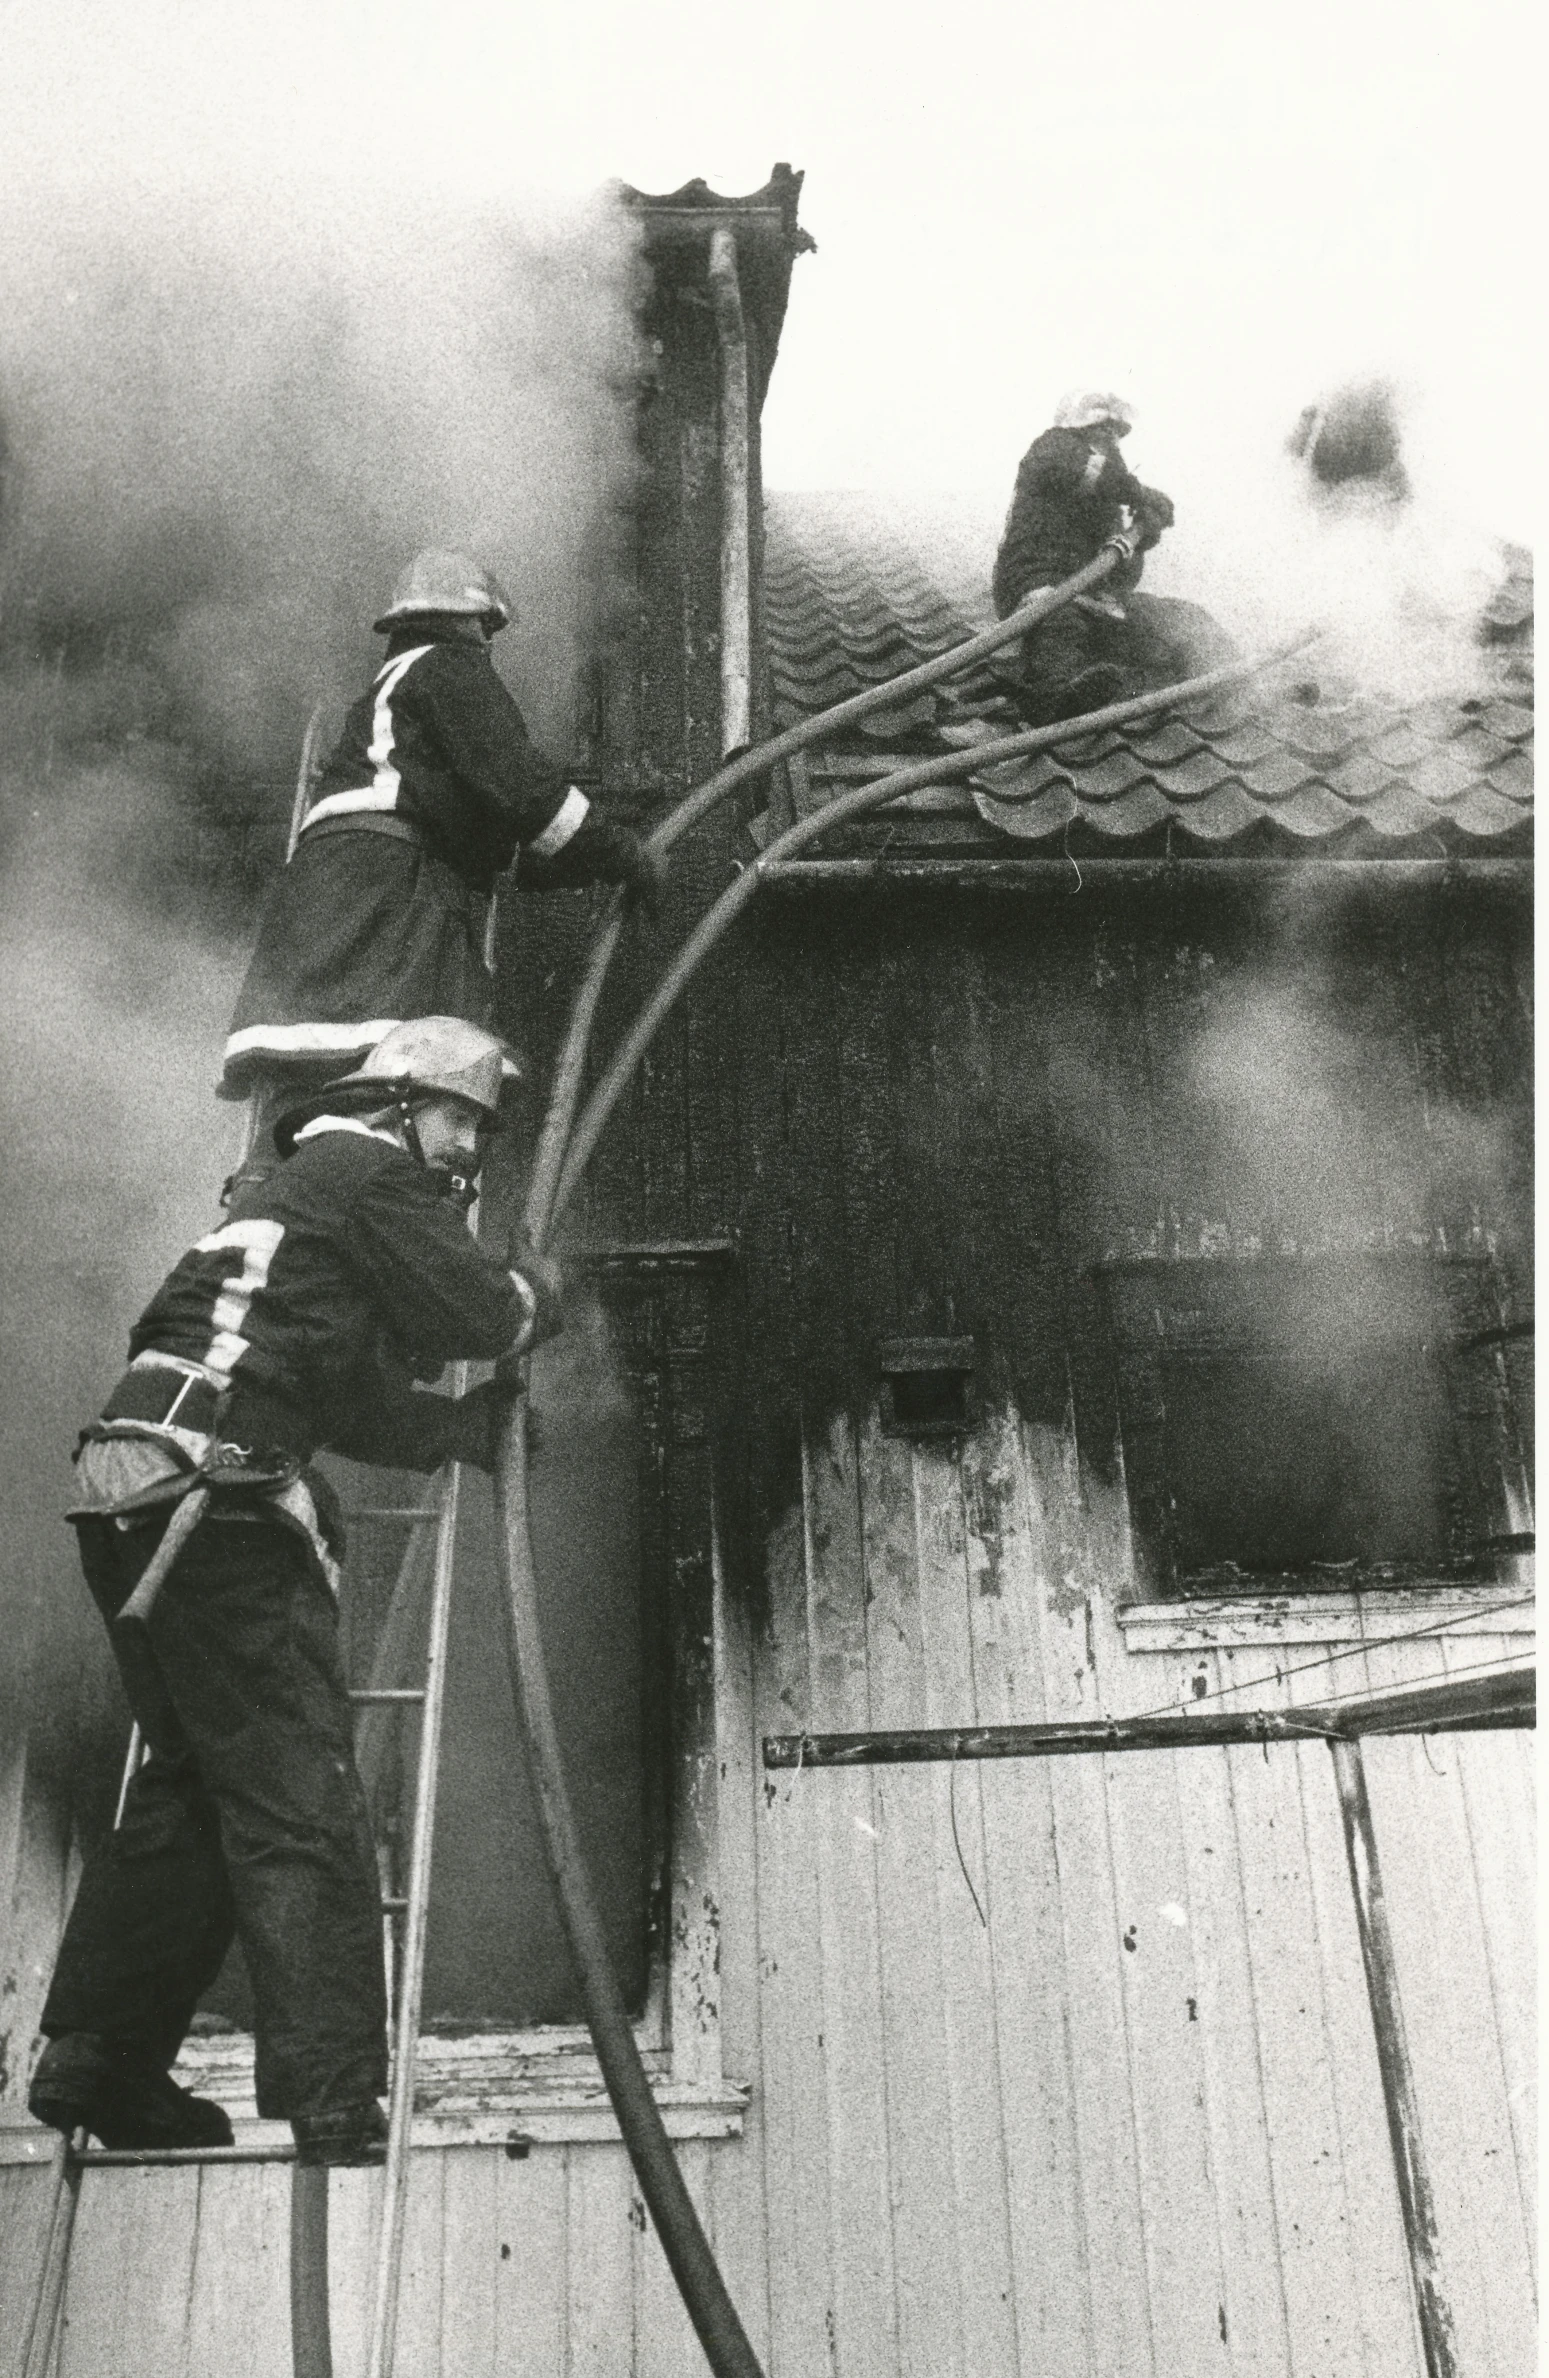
x: 461, y: 1188
x: 411, y: 1132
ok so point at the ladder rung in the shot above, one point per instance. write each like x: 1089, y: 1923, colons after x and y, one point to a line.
x: 134, y: 2155
x: 395, y: 1907
x: 391, y: 1511
x: 372, y: 1696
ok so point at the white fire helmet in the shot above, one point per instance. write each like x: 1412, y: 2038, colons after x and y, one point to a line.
x: 443, y: 585
x: 439, y: 1057
x: 428, y: 1057
x: 1087, y: 408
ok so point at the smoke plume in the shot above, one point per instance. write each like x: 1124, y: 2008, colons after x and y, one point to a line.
x: 225, y: 434
x: 228, y: 415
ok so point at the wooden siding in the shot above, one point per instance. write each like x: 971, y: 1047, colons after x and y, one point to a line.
x: 1148, y: 2091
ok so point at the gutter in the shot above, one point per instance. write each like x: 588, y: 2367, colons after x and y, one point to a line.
x: 986, y: 874
x: 736, y: 564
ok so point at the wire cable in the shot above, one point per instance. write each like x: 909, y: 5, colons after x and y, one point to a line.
x: 1410, y: 1684
x: 1353, y: 1651
x: 958, y: 1845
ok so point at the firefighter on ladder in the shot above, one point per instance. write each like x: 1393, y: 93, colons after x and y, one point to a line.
x: 301, y: 1324
x: 433, y: 789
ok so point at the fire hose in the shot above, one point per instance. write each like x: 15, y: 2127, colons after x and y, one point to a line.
x: 564, y: 1150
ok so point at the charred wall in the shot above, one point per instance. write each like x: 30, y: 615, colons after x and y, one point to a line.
x: 943, y: 1114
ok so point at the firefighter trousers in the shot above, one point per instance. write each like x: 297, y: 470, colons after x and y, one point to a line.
x: 1080, y: 659
x: 248, y: 1818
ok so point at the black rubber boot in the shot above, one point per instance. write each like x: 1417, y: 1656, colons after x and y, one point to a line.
x: 86, y: 2083
x: 344, y: 2135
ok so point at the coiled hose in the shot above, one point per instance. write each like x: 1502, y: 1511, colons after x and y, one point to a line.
x: 563, y: 1154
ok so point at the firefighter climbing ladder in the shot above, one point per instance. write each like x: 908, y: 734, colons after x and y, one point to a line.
x: 404, y: 1949
x: 565, y: 1147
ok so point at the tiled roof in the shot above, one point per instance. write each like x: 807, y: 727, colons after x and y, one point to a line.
x: 854, y: 594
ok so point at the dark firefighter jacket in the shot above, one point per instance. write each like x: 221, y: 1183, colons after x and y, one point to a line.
x: 1069, y: 496
x: 432, y: 790
x: 334, y: 1284
x: 436, y: 739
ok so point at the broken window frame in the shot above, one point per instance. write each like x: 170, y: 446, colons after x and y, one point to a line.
x: 1146, y: 1299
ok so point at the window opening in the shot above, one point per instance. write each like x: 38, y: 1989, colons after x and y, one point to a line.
x: 1316, y: 1422
x: 926, y: 1386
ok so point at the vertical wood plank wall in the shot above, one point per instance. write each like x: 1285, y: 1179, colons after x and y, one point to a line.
x: 1060, y: 2069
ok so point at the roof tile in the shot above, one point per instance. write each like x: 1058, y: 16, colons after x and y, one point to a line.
x: 1513, y: 720
x: 1109, y: 778
x: 1224, y: 814
x: 1314, y: 813
x: 1029, y: 821
x: 1399, y: 814
x: 1242, y: 744
x: 1402, y: 748
x: 1441, y: 776
x: 1134, y: 812
x: 1320, y: 734
x: 1513, y: 777
x: 1360, y: 778
x: 1511, y: 606
x: 1485, y: 816
x: 1161, y: 746
x: 1188, y: 779
x: 1478, y: 749
x: 1438, y: 718
x: 1279, y: 773
x: 1019, y: 780
x: 852, y: 597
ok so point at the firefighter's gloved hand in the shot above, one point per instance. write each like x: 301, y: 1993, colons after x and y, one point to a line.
x: 601, y: 849
x: 1124, y: 542
x: 542, y: 1288
x: 626, y: 858
x: 1154, y: 513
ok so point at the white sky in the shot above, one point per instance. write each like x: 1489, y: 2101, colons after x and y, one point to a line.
x: 1217, y: 209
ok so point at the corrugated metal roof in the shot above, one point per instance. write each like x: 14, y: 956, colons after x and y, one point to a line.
x: 855, y: 593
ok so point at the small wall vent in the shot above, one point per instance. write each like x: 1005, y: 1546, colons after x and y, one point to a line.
x: 926, y: 1386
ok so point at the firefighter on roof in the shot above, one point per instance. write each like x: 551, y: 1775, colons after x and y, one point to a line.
x: 302, y: 1323
x: 1352, y: 446
x: 433, y: 789
x: 1074, y: 494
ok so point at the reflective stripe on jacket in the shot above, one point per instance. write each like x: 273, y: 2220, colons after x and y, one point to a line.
x: 336, y: 1282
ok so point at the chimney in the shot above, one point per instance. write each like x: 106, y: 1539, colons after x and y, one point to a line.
x: 678, y: 685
